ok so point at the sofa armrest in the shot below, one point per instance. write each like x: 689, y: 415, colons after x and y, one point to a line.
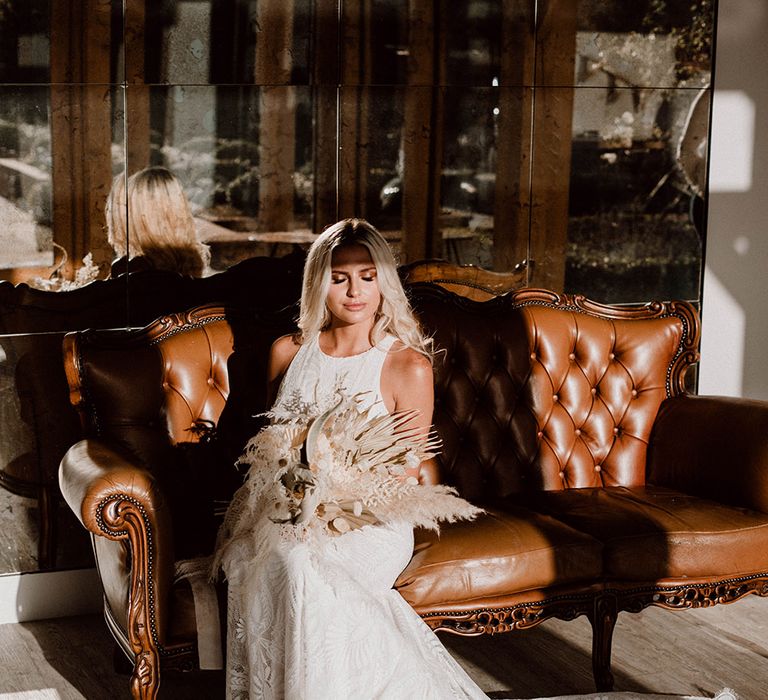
x: 713, y: 447
x: 118, y: 499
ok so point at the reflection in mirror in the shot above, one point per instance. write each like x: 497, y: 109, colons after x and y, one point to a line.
x: 221, y: 43
x: 24, y: 41
x: 26, y: 239
x: 37, y: 529
x: 638, y: 163
x: 244, y: 156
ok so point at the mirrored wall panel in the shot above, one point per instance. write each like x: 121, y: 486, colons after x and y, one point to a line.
x: 154, y: 154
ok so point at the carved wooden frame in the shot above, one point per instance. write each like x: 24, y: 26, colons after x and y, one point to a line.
x: 601, y: 608
x: 123, y: 518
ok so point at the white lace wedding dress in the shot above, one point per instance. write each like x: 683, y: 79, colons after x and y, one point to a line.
x: 319, y: 619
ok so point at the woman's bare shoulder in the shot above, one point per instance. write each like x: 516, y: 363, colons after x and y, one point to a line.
x: 409, y: 363
x: 283, y: 350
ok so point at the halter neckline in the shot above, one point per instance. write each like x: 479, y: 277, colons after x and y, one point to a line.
x: 344, y: 357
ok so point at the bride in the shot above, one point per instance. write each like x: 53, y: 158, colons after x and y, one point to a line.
x: 313, y: 615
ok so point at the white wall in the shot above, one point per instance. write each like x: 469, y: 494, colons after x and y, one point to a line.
x: 42, y: 595
x: 735, y: 299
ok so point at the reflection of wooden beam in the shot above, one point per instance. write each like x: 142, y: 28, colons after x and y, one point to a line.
x: 277, y: 113
x: 422, y: 133
x: 80, y: 127
x: 136, y: 105
x: 325, y: 76
x: 354, y: 108
x: 513, y: 144
x: 552, y: 139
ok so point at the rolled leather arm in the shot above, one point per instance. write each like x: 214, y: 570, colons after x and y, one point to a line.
x: 120, y: 500
x: 713, y: 447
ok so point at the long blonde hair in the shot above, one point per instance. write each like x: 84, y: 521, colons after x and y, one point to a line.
x: 151, y: 207
x: 394, y: 316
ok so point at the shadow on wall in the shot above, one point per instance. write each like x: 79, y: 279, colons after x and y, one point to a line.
x: 735, y: 325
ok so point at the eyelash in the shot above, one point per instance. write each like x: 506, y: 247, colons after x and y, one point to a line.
x: 341, y: 280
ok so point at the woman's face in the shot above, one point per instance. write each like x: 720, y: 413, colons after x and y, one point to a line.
x: 354, y: 294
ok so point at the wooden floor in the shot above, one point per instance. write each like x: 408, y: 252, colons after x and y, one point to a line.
x: 688, y: 653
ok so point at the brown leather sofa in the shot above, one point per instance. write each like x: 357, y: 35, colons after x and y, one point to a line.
x: 607, y: 487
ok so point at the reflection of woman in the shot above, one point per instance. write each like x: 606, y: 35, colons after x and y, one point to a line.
x: 149, y: 224
x: 316, y: 616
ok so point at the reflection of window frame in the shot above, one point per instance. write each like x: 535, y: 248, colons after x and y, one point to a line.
x: 533, y: 142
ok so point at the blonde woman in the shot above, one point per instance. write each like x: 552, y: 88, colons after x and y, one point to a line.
x: 149, y: 224
x: 310, y: 616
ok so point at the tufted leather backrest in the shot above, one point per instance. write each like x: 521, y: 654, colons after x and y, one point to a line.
x: 181, y: 396
x: 195, y: 377
x: 536, y: 391
x: 533, y: 391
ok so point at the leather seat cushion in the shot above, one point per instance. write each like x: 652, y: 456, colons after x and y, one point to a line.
x: 499, y: 554
x: 655, y: 533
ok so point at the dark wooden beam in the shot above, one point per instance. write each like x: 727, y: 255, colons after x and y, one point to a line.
x: 136, y: 103
x: 81, y: 134
x: 422, y: 132
x: 277, y: 114
x: 552, y: 141
x: 512, y: 205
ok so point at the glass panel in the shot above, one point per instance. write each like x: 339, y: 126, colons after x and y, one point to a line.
x: 650, y: 43
x: 636, y: 195
x: 628, y: 224
x: 387, y: 48
x: 477, y: 42
x: 484, y: 133
x: 25, y: 41
x: 38, y: 528
x: 589, y: 175
x: 26, y: 239
x: 221, y: 42
x: 245, y: 158
x: 371, y: 156
x: 34, y: 249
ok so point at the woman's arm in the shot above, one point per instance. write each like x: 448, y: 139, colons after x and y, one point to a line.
x: 407, y: 384
x: 281, y: 353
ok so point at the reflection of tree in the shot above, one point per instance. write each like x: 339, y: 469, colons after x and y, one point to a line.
x: 692, y: 30
x: 193, y: 162
x: 224, y: 173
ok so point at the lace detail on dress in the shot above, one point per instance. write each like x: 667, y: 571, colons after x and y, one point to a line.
x: 313, y: 379
x: 314, y: 617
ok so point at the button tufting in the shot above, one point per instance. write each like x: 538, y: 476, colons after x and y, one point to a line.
x: 597, y: 467
x: 615, y: 431
x: 561, y: 474
x: 578, y: 432
x: 594, y: 391
x: 612, y: 356
x: 540, y: 434
x: 571, y: 356
x: 533, y: 355
x: 555, y: 398
x: 634, y: 392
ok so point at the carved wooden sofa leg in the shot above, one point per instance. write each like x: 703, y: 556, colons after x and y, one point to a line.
x: 145, y: 677
x: 603, y: 619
